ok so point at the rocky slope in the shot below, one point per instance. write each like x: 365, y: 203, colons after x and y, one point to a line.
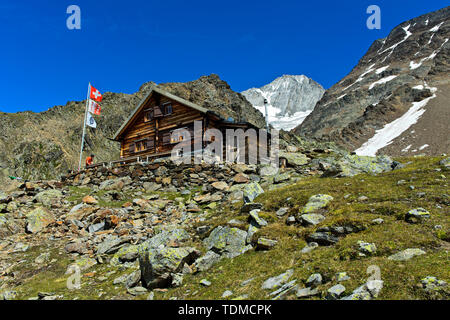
x: 395, y: 101
x: 163, y: 231
x: 290, y: 99
x: 45, y: 145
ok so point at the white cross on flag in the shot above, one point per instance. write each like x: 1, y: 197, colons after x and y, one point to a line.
x: 94, y: 107
x: 90, y: 121
x: 96, y: 95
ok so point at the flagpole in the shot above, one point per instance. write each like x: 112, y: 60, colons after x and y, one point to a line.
x: 84, y: 125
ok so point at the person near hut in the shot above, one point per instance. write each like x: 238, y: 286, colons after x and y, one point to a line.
x: 90, y: 160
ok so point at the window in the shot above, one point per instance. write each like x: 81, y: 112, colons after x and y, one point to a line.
x: 140, y: 146
x: 167, y: 109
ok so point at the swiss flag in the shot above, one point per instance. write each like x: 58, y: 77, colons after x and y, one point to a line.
x: 96, y: 95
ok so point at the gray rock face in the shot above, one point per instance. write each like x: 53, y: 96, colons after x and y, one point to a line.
x: 226, y: 241
x: 207, y: 261
x: 335, y: 292
x: 323, y: 238
x: 396, y: 72
x: 278, y: 281
x: 406, y: 254
x: 289, y: 97
x: 158, y: 265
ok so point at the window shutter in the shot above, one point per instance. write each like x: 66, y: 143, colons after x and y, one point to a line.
x: 158, y: 112
x: 132, y: 147
x: 150, y: 143
x: 166, y: 138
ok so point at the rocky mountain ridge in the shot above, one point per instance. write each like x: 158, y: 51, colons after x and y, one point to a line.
x: 395, y: 101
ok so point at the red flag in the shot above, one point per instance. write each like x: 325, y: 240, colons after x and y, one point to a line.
x: 96, y: 95
x: 94, y: 107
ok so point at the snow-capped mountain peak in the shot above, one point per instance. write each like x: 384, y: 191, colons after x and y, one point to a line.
x: 290, y: 98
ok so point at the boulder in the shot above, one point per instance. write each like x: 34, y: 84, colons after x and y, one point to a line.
x: 268, y: 170
x: 294, y: 158
x: 367, y: 248
x: 351, y: 165
x: 47, y: 197
x: 406, y: 254
x: 89, y: 200
x: 323, y: 238
x: 79, y: 212
x: 251, y: 191
x: 158, y: 265
x: 38, y: 219
x: 260, y: 222
x: 417, y: 215
x: 265, y: 244
x: 226, y: 241
x: 335, y: 292
x: 207, y: 261
x: 316, y: 202
x: 311, y: 219
x: 276, y: 282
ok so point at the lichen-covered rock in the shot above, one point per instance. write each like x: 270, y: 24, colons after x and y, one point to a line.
x: 226, y: 241
x: 406, y: 254
x: 268, y: 170
x: 260, y: 222
x: 38, y: 219
x: 335, y: 292
x: 111, y: 244
x: 311, y: 219
x: 351, y: 165
x: 445, y: 163
x: 323, y: 238
x: 158, y: 265
x: 416, y: 215
x: 48, y: 196
x: 251, y: 191
x: 279, y: 178
x: 172, y: 235
x: 314, y: 280
x: 265, y: 244
x: 125, y: 254
x: 294, y: 158
x: 432, y: 283
x: 367, y: 248
x: 316, y: 202
x: 276, y: 282
x: 207, y: 261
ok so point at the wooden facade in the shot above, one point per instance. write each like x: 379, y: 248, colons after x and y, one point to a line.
x: 147, y: 132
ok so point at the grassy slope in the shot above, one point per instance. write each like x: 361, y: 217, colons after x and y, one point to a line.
x: 386, y: 199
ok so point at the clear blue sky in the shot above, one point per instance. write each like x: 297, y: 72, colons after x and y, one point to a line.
x: 123, y: 44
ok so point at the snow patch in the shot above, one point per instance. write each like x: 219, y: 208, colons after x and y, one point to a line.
x: 413, y: 65
x: 436, y: 28
x: 380, y: 70
x: 407, y: 148
x: 381, y: 81
x: 394, y: 129
x: 424, y: 146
